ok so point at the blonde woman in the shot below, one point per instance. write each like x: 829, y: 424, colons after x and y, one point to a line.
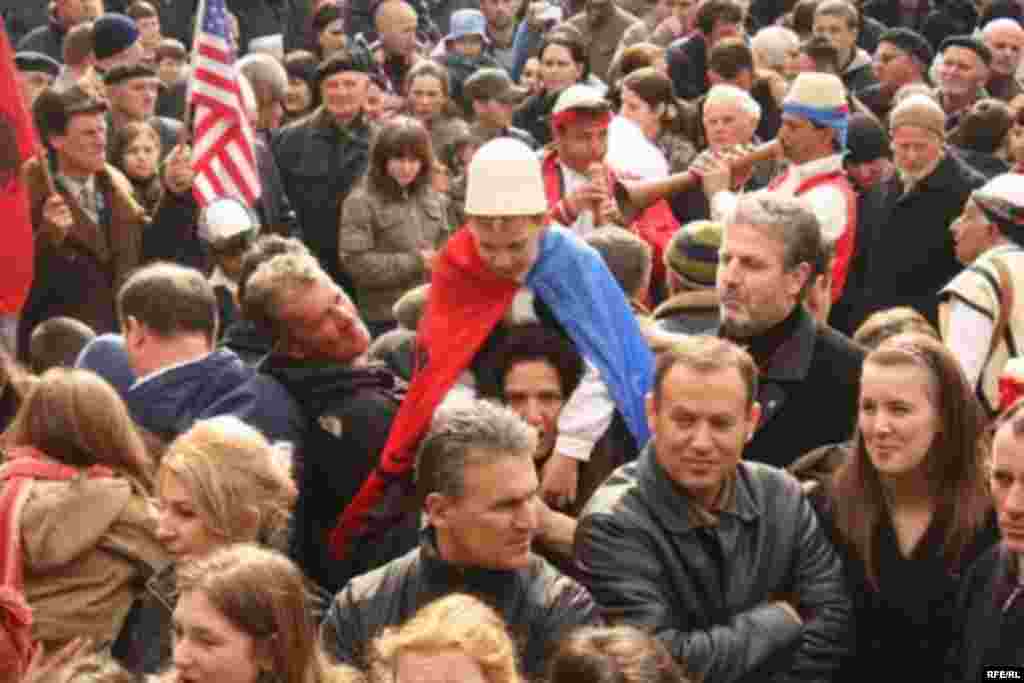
x: 219, y: 483
x: 79, y: 534
x: 242, y: 617
x: 458, y: 635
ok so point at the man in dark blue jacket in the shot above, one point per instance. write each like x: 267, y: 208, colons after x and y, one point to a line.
x: 165, y: 367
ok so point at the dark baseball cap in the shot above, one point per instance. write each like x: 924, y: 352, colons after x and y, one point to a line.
x: 492, y: 84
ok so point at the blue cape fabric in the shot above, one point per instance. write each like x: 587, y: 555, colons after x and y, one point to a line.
x: 572, y: 279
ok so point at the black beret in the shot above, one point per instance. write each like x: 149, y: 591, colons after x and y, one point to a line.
x: 38, y: 62
x: 125, y: 72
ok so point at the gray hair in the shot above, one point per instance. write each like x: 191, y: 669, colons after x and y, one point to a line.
x: 465, y: 433
x: 276, y: 282
x: 770, y: 45
x: 787, y: 219
x: 730, y: 94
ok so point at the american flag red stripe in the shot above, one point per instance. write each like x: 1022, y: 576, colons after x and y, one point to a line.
x: 223, y: 154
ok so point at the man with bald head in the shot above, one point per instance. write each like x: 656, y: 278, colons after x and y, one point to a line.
x: 396, y: 49
x: 1005, y: 40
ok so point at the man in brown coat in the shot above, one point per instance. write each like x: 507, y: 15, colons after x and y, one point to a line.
x: 87, y: 225
x: 601, y: 26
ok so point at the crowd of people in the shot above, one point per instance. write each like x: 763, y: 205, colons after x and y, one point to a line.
x: 588, y: 341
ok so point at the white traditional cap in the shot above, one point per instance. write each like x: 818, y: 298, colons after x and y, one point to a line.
x: 1002, y: 201
x: 580, y: 97
x: 505, y: 179
x: 224, y: 219
x: 821, y: 98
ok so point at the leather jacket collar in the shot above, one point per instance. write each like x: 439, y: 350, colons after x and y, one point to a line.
x: 440, y: 573
x: 670, y: 504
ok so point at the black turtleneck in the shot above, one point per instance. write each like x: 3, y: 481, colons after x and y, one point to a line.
x: 763, y: 346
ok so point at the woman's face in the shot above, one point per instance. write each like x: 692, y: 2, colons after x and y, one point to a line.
x: 181, y: 528
x: 141, y: 157
x: 298, y: 97
x: 403, y: 170
x: 332, y: 38
x: 557, y: 68
x: 530, y: 77
x: 208, y: 647
x: 426, y: 97
x: 898, y: 418
x: 637, y: 110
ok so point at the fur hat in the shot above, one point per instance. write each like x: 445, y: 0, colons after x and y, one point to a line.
x: 921, y: 111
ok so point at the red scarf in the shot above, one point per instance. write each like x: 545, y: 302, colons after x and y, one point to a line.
x: 466, y: 303
x: 24, y: 465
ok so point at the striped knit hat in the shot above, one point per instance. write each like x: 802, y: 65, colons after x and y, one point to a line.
x: 820, y: 98
x: 692, y: 253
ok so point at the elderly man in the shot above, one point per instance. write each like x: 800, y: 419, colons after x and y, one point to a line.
x: 812, y: 138
x: 979, y: 323
x: 729, y: 118
x: 507, y: 267
x: 396, y: 49
x: 722, y: 558
x: 991, y: 602
x: 1005, y: 39
x: 962, y: 75
x: 475, y: 471
x: 901, y: 58
x: 838, y: 22
x: 912, y: 255
x: 775, y: 48
x: 323, y: 155
x: 319, y: 344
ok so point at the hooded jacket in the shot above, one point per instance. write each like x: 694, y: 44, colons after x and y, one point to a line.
x: 89, y: 545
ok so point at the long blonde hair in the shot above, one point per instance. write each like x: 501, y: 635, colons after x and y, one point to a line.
x: 229, y: 470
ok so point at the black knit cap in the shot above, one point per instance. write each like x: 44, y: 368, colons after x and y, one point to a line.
x: 971, y: 43
x: 865, y: 140
x: 354, y: 59
x: 911, y: 42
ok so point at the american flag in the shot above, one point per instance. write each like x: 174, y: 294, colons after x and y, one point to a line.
x: 223, y: 156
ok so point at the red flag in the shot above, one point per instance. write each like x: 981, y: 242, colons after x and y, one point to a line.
x: 224, y: 157
x: 18, y: 142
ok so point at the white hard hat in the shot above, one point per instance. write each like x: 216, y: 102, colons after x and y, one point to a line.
x: 505, y: 180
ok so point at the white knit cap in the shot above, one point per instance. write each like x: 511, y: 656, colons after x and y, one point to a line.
x: 505, y: 180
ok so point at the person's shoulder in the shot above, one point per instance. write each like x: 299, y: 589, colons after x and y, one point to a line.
x: 620, y: 496
x: 383, y: 583
x: 838, y: 346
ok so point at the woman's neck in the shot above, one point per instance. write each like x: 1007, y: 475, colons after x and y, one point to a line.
x: 911, y: 491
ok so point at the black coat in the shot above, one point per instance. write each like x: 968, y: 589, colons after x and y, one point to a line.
x: 707, y: 591
x: 348, y: 413
x: 904, y: 627
x: 687, y: 59
x: 990, y: 631
x: 538, y: 603
x: 320, y: 162
x: 808, y: 393
x: 912, y: 254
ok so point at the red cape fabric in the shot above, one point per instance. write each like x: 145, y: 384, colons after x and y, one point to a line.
x: 466, y: 303
x: 19, y: 142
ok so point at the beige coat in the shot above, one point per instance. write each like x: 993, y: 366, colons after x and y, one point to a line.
x: 380, y: 243
x: 601, y: 44
x: 88, y: 545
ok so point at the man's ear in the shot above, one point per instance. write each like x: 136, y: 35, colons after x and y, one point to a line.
x: 650, y: 404
x: 438, y: 508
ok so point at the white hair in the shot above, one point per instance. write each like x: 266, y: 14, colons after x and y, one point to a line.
x: 1002, y: 22
x: 770, y: 45
x: 730, y: 94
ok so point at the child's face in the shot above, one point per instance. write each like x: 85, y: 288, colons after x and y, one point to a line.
x: 149, y: 29
x: 531, y: 75
x: 469, y: 46
x: 141, y: 157
x: 169, y: 70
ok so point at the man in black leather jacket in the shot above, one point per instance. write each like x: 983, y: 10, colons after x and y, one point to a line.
x: 723, y: 559
x: 475, y: 467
